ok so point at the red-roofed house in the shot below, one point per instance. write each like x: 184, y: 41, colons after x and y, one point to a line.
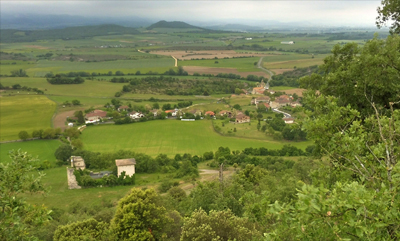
x: 210, y: 113
x: 95, y: 116
x: 123, y: 108
x: 241, y: 118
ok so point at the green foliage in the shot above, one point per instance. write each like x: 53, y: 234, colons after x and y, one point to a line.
x: 389, y: 12
x: 16, y: 216
x: 140, y: 216
x: 19, y: 73
x: 59, y: 80
x: 89, y: 229
x: 217, y: 225
x: 63, y: 153
x: 23, y: 135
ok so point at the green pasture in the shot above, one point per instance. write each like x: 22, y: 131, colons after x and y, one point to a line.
x: 168, y: 137
x: 42, y: 149
x: 24, y: 112
x: 282, y: 88
x: 238, y: 63
x: 289, y: 61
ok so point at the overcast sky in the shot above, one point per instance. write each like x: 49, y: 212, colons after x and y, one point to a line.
x: 324, y: 12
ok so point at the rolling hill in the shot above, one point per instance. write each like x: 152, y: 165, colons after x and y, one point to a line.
x: 173, y: 24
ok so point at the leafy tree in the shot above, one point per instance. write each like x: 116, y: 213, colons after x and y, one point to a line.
x: 75, y: 102
x: 77, y: 144
x: 389, y: 11
x: 63, y: 152
x: 89, y: 229
x: 237, y: 107
x: 23, y: 135
x: 49, y: 133
x: 140, y: 216
x: 71, y: 132
x: 18, y: 73
x: 217, y: 225
x: 79, y: 115
x: 359, y: 75
x: 238, y: 91
x: 17, y: 216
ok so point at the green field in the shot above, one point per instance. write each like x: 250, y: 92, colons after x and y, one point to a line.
x: 168, y: 137
x: 24, y: 112
x: 43, y: 149
x: 241, y: 64
x: 289, y: 61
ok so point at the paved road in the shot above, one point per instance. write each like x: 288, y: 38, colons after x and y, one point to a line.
x: 284, y: 113
x: 270, y: 73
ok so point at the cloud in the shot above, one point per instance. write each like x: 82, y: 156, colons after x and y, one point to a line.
x: 328, y: 12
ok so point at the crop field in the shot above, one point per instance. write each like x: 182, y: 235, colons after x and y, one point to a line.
x: 29, y: 112
x: 168, y: 137
x: 43, y: 149
x: 246, y: 63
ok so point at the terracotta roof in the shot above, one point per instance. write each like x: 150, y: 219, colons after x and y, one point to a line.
x: 242, y: 116
x: 169, y: 111
x: 123, y: 107
x: 266, y: 105
x: 125, y: 162
x: 99, y: 113
x: 210, y: 113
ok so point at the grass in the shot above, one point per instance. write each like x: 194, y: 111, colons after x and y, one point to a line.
x: 289, y: 61
x: 168, y: 137
x: 24, y: 112
x: 247, y: 64
x: 43, y: 149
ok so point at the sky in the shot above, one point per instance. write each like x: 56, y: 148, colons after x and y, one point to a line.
x: 320, y: 12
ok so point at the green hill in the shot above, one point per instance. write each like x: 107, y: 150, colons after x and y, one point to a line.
x: 13, y: 35
x: 174, y: 24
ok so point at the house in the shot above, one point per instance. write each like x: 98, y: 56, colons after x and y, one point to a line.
x: 295, y: 104
x: 210, y: 113
x: 288, y: 120
x: 225, y: 112
x: 126, y: 165
x: 78, y: 162
x: 287, y: 42
x: 245, y: 92
x: 257, y: 100
x: 241, y: 118
x: 267, y: 106
x: 123, y: 108
x: 155, y: 112
x: 95, y: 116
x: 173, y: 112
x: 260, y: 88
x: 135, y: 115
x: 282, y: 100
x: 195, y: 112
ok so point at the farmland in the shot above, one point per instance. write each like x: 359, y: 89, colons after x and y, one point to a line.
x: 168, y: 137
x: 28, y: 112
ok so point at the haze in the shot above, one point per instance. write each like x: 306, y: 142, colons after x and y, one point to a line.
x: 329, y: 13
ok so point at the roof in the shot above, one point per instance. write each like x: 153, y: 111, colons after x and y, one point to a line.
x: 125, y: 162
x: 123, y: 107
x: 242, y: 116
x: 133, y: 112
x: 169, y: 111
x: 266, y: 105
x: 99, y: 113
x: 210, y: 113
x: 288, y: 118
x: 154, y: 110
x: 263, y: 98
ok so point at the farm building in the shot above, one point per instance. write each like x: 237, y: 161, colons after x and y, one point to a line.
x: 155, y: 112
x: 95, y: 116
x: 126, y: 165
x: 78, y: 162
x: 225, y: 112
x: 210, y: 113
x: 261, y: 88
x: 123, y: 108
x: 257, y: 100
x: 288, y: 120
x: 241, y: 118
x: 135, y: 115
x: 173, y: 112
x: 287, y: 42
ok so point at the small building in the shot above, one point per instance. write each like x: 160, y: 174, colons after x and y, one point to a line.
x: 126, y: 165
x: 135, y: 115
x: 287, y: 42
x: 225, y: 112
x: 288, y: 120
x: 195, y: 112
x: 241, y: 118
x: 123, y: 108
x: 95, y: 116
x: 267, y: 106
x: 155, y: 112
x: 210, y: 113
x: 78, y: 162
x: 70, y: 124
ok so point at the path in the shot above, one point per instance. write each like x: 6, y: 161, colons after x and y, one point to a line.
x: 284, y: 113
x: 176, y: 61
x: 270, y: 73
x: 60, y: 119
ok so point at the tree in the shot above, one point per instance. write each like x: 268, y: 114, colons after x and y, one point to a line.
x: 140, y: 216
x: 72, y: 132
x: 18, y: 73
x: 217, y: 225
x: 75, y: 102
x: 17, y: 216
x: 23, y: 135
x: 359, y: 75
x: 89, y: 229
x: 237, y: 107
x: 63, y: 152
x: 389, y: 11
x: 77, y: 144
x: 238, y: 91
x: 156, y: 106
x: 79, y: 115
x: 49, y: 133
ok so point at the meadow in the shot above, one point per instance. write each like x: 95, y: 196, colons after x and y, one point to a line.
x: 24, y: 112
x: 168, y: 137
x: 241, y: 64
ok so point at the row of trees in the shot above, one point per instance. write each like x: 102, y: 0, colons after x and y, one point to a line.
x: 59, y: 80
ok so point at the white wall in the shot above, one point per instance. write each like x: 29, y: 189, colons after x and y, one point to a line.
x: 129, y: 170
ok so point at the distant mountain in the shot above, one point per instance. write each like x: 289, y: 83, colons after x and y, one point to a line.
x: 235, y: 27
x: 13, y: 35
x: 174, y: 24
x: 52, y: 21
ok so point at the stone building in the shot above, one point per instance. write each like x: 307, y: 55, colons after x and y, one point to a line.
x: 126, y: 165
x: 78, y: 162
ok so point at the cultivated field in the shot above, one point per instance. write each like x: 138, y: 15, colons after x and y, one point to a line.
x: 168, y: 137
x: 24, y: 112
x: 206, y: 54
x: 212, y: 70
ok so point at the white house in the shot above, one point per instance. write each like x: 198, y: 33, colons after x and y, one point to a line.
x: 287, y: 42
x: 288, y: 120
x: 135, y: 115
x: 126, y: 165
